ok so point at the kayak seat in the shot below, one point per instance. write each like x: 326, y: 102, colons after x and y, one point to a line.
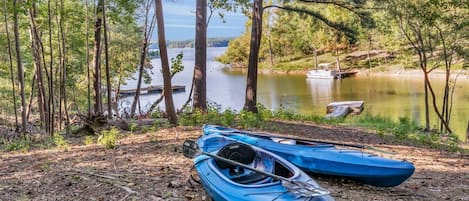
x: 249, y: 178
x: 238, y: 152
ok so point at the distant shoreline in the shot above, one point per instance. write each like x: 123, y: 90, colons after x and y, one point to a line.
x: 411, y: 73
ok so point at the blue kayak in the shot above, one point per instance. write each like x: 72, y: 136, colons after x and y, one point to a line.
x: 224, y: 181
x: 324, y: 158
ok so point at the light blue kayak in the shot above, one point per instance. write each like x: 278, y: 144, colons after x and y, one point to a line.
x: 325, y: 158
x: 226, y: 182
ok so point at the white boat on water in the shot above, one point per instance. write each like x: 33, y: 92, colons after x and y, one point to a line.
x: 324, y: 72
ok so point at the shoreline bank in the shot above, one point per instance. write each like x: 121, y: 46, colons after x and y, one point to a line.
x: 411, y: 73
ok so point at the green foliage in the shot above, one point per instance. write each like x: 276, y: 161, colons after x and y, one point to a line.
x: 400, y: 129
x: 89, y: 140
x: 20, y: 144
x: 248, y: 119
x: 108, y: 138
x: 60, y: 141
x: 176, y: 64
x: 132, y: 125
x: 154, y: 54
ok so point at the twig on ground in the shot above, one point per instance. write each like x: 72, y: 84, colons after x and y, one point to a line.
x: 99, y: 175
x: 128, y: 190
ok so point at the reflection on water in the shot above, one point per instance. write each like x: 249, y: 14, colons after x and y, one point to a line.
x: 384, y: 96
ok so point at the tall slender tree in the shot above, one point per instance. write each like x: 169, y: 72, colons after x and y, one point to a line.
x: 98, y: 104
x: 88, y: 78
x: 10, y: 60
x: 51, y: 70
x: 19, y: 65
x: 63, y: 62
x: 106, y: 57
x: 168, y: 99
x: 200, y: 68
x: 147, y: 30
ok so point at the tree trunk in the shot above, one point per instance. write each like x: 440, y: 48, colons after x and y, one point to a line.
x: 59, y: 69
x: 106, y: 56
x: 316, y: 58
x: 143, y: 53
x: 427, y: 111
x: 36, y: 51
x: 31, y: 95
x: 467, y: 133
x: 200, y: 68
x: 171, y: 112
x: 98, y: 104
x: 51, y: 69
x: 20, y: 68
x: 10, y: 60
x: 64, y: 68
x: 88, y: 60
x: 256, y: 33
x: 369, y: 49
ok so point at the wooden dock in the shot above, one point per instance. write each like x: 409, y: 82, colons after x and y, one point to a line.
x: 150, y: 90
x: 343, y: 108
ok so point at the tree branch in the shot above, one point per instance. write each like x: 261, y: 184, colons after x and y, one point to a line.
x: 336, y: 26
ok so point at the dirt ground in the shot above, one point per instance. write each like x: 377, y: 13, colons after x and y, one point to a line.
x: 151, y: 167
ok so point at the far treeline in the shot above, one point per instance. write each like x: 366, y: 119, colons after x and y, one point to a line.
x: 211, y: 42
x: 65, y: 60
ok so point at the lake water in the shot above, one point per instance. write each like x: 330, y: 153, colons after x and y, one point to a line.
x: 385, y: 96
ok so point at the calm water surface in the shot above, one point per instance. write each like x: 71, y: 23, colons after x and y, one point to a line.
x: 385, y: 96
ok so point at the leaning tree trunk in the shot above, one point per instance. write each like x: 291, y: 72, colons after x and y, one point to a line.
x: 36, y: 50
x: 20, y: 68
x: 200, y: 68
x: 256, y: 33
x: 143, y: 53
x: 10, y: 60
x: 106, y: 56
x: 165, y: 64
x: 98, y: 103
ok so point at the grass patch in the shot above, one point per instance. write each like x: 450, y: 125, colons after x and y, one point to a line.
x: 404, y: 129
x: 22, y: 144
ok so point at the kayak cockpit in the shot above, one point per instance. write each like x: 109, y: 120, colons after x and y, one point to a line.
x: 246, y: 155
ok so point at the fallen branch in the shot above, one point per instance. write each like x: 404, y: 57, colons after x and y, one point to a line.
x: 125, y: 188
x: 128, y: 190
x: 101, y: 175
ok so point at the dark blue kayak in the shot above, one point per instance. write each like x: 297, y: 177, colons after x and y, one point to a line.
x: 324, y: 158
x: 225, y: 182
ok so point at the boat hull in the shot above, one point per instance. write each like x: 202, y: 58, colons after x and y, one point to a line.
x: 327, y: 159
x: 220, y: 188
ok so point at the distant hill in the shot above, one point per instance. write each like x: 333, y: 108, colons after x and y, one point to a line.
x: 211, y: 42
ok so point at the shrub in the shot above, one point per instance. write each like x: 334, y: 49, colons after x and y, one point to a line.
x: 89, y: 140
x: 60, y: 141
x: 20, y: 144
x: 108, y: 138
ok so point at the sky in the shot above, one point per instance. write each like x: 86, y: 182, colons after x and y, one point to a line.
x: 179, y: 17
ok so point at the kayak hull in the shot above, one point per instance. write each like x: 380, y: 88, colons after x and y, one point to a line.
x: 328, y: 159
x: 220, y: 187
